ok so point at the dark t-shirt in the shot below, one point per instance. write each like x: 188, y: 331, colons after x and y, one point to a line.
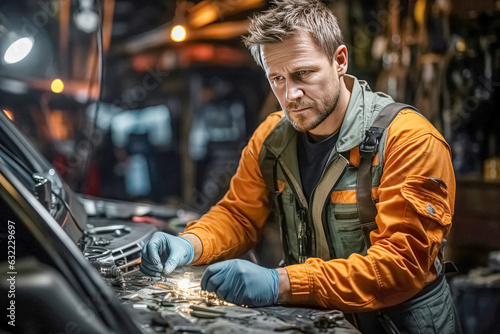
x: 312, y: 159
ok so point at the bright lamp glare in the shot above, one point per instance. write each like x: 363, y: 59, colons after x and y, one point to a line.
x: 178, y: 33
x: 18, y: 50
x: 57, y: 86
x: 183, y: 284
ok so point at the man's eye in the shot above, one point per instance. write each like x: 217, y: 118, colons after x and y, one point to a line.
x: 303, y: 72
x: 277, y: 80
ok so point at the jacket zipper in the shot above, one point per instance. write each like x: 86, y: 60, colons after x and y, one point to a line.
x: 303, y: 213
x: 302, y: 234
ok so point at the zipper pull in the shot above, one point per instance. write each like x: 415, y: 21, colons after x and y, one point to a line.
x: 302, y: 235
x: 302, y: 222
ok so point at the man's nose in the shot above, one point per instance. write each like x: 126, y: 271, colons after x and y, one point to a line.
x: 293, y: 91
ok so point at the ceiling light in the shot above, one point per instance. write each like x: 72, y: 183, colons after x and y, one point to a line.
x: 87, y: 21
x: 57, y: 86
x: 18, y: 50
x: 86, y: 17
x: 178, y: 33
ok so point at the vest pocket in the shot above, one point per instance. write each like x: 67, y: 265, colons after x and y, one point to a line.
x: 345, y: 229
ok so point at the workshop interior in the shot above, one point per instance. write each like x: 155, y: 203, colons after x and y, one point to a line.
x: 121, y: 118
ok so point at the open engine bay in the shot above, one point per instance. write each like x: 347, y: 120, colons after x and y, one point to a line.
x: 176, y: 303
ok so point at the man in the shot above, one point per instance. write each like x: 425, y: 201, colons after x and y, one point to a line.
x: 392, y: 279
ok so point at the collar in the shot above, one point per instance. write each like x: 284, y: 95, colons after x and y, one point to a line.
x: 363, y: 105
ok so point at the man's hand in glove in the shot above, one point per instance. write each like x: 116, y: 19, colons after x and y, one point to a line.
x: 242, y: 282
x: 166, y: 249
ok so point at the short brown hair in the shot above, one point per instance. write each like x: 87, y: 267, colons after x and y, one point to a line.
x: 289, y: 17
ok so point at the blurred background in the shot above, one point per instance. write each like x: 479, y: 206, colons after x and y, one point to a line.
x: 153, y: 100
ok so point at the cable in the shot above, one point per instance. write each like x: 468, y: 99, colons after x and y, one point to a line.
x: 100, y: 70
x: 66, y: 205
x: 100, y: 50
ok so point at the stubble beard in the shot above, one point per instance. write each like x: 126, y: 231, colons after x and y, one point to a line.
x: 302, y: 123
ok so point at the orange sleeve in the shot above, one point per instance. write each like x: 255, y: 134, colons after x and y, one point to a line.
x: 416, y: 200
x: 233, y: 225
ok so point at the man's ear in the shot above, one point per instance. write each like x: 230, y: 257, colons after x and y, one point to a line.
x: 341, y: 60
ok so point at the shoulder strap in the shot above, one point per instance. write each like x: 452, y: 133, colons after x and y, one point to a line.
x: 368, y: 149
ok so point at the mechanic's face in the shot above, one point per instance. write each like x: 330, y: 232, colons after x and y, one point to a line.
x: 304, y: 79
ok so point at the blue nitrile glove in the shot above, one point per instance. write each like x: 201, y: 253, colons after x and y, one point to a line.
x: 242, y: 283
x: 165, y: 248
